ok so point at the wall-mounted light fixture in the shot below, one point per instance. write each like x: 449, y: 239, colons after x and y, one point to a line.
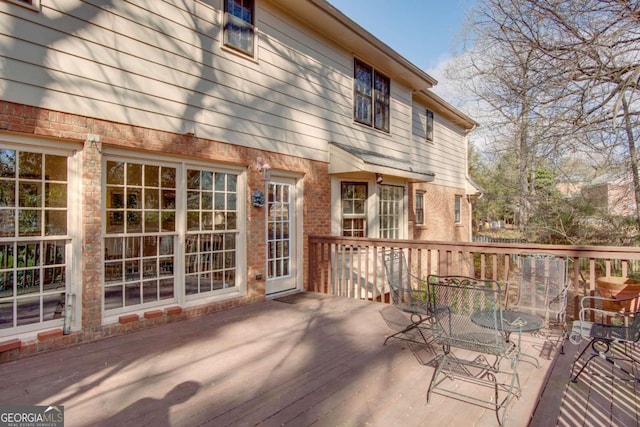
x: 265, y: 168
x: 379, y: 178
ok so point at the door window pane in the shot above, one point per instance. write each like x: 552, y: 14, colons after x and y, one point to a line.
x: 391, y: 211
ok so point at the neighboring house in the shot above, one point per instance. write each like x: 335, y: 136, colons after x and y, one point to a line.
x: 611, y: 194
x: 165, y: 159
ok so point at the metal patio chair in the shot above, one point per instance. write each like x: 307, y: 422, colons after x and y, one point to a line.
x: 409, y: 294
x: 469, y: 320
x: 612, y: 335
x: 541, y: 290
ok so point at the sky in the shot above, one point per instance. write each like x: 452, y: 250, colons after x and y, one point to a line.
x: 423, y: 31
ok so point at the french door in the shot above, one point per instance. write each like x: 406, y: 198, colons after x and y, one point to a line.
x: 281, y: 236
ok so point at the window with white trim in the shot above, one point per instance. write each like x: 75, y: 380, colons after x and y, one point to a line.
x: 31, y: 4
x: 419, y: 207
x: 239, y: 25
x: 141, y: 252
x: 212, y: 224
x: 354, y: 209
x: 429, y: 126
x: 391, y: 212
x: 34, y: 238
x: 141, y: 233
x: 371, y: 104
x: 456, y: 209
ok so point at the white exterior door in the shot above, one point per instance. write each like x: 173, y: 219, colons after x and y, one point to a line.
x: 281, y: 236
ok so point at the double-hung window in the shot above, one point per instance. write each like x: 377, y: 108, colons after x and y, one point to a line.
x: 239, y: 25
x: 429, y: 129
x: 354, y: 209
x: 31, y: 4
x: 456, y: 209
x: 371, y: 97
x: 419, y: 207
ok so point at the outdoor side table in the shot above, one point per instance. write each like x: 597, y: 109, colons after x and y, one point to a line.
x: 512, y: 321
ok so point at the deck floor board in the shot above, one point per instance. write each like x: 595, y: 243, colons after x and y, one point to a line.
x: 308, y: 361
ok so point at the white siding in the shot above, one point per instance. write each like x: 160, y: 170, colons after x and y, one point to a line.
x: 160, y: 64
x: 446, y: 156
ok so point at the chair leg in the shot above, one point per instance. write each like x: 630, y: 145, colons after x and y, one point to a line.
x: 575, y: 378
x: 603, y: 354
x: 404, y: 331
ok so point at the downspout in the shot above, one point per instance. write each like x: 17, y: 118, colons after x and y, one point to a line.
x: 66, y: 330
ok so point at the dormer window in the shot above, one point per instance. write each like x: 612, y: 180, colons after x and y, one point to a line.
x: 371, y: 97
x: 239, y: 25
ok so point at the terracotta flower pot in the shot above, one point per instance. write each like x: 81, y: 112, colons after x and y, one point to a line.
x: 618, y: 288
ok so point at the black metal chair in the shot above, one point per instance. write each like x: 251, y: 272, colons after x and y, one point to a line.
x: 610, y: 334
x: 409, y: 294
x: 542, y: 287
x: 469, y: 319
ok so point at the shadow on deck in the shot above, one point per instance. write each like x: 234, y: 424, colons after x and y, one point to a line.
x: 313, y: 359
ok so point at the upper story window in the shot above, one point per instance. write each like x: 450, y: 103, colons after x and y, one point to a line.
x: 239, y: 25
x: 371, y: 104
x: 456, y: 209
x: 31, y: 4
x: 419, y: 207
x: 429, y: 129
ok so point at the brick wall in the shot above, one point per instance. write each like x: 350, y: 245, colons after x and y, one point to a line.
x: 439, y: 214
x: 41, y: 122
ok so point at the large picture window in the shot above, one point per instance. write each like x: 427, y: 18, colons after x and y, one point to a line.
x: 239, y: 25
x: 142, y: 247
x: 34, y: 239
x: 371, y: 97
x: 212, y: 223
x: 141, y: 229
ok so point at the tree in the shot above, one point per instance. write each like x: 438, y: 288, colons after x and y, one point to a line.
x: 557, y: 75
x: 501, y: 69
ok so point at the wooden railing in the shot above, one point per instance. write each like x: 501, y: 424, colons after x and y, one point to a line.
x: 352, y: 267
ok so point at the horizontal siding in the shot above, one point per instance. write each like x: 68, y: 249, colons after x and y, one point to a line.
x: 312, y: 59
x: 159, y: 64
x: 446, y: 155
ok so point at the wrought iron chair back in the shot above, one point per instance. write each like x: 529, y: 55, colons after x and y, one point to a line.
x: 542, y: 287
x: 608, y: 332
x: 469, y: 317
x: 409, y: 294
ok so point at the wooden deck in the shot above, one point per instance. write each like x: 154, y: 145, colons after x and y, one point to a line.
x: 317, y: 360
